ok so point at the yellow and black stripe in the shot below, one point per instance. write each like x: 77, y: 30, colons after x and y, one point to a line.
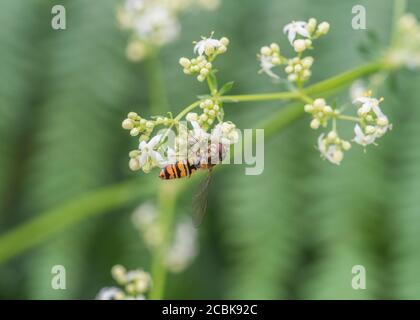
x: 180, y: 169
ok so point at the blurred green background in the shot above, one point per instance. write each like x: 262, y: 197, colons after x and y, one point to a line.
x: 294, y: 232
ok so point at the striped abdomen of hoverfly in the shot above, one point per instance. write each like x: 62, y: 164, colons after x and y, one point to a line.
x: 179, y: 169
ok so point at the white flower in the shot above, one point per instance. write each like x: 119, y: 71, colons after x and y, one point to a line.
x: 140, y: 279
x: 368, y: 104
x: 225, y: 133
x: 109, y: 293
x: 296, y: 27
x: 198, y: 133
x: 266, y: 66
x: 206, y: 45
x: 331, y: 152
x: 198, y: 143
x: 150, y: 158
x: 362, y: 138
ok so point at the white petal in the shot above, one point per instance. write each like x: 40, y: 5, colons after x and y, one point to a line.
x: 365, y: 108
x: 154, y: 141
x: 143, y: 158
x: 156, y: 156
x: 195, y: 125
x: 378, y: 111
x: 362, y: 100
x: 321, y: 144
x: 142, y: 145
x: 302, y: 31
x: 107, y: 293
x: 291, y: 36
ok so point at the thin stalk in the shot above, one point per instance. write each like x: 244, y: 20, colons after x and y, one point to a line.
x: 349, y: 118
x: 399, y: 10
x: 260, y: 97
x: 50, y: 223
x: 167, y: 197
x: 167, y: 202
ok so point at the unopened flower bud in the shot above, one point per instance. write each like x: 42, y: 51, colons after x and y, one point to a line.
x: 319, y: 103
x: 299, y: 45
x: 134, y: 132
x: 315, y: 124
x: 186, y: 63
x: 128, y: 124
x: 224, y: 41
x: 346, y: 145
x: 323, y: 27
x: 266, y: 51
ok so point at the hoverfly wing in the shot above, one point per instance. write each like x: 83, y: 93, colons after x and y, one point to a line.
x: 200, y: 201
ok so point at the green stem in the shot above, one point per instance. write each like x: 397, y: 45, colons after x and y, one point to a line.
x: 349, y: 118
x: 44, y: 225
x: 50, y: 223
x: 167, y: 202
x: 399, y: 9
x: 167, y: 197
x: 346, y: 78
x: 260, y: 97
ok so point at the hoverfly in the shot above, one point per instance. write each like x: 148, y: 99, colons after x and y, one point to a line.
x: 186, y: 168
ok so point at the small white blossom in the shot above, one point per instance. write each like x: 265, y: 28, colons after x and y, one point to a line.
x: 368, y: 104
x: 362, y: 138
x: 207, y: 45
x: 198, y: 134
x: 149, y: 157
x: 270, y: 57
x: 225, y: 133
x: 331, y: 147
x: 294, y: 28
x: 266, y: 66
x: 134, y: 284
x: 110, y: 293
x: 374, y: 122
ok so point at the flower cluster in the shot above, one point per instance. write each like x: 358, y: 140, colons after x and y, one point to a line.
x: 207, y: 50
x: 406, y: 49
x: 133, y: 284
x: 371, y: 124
x: 198, y: 136
x: 154, y: 22
x: 299, y: 69
x: 300, y: 35
x: 197, y: 66
x: 211, y: 110
x: 332, y: 147
x: 270, y: 57
x: 183, y: 248
x: 320, y: 112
